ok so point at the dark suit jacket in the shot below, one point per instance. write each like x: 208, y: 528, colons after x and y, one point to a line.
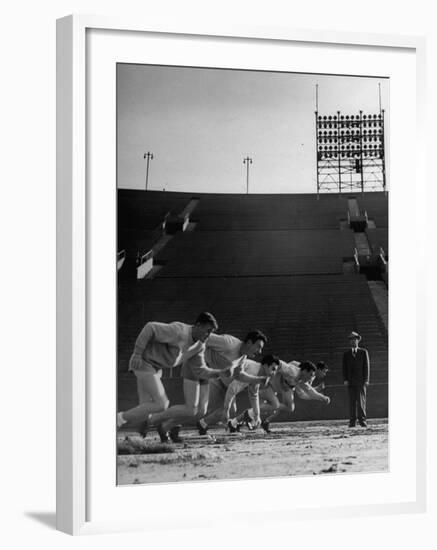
x: 356, y: 370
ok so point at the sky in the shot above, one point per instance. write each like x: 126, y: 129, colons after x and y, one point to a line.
x: 201, y: 123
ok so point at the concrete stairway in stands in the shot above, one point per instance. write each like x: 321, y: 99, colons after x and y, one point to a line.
x: 362, y: 244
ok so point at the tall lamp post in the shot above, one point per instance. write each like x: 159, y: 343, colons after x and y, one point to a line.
x: 149, y: 157
x: 247, y: 161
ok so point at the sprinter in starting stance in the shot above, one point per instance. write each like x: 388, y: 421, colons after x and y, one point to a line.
x: 288, y: 380
x: 158, y: 346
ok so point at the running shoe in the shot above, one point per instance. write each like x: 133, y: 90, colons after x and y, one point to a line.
x: 145, y: 427
x: 202, y: 426
x: 265, y: 425
x: 163, y: 435
x: 233, y: 426
x: 248, y: 420
x: 174, y: 434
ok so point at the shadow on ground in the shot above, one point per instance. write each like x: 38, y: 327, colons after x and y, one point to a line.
x: 46, y: 518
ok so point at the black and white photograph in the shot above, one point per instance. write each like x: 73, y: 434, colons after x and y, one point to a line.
x: 218, y: 224
x: 252, y: 274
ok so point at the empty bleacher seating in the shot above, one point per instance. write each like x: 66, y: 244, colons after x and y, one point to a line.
x: 249, y: 253
x: 273, y: 262
x: 147, y: 209
x: 376, y: 206
x: 269, y: 212
x: 134, y: 241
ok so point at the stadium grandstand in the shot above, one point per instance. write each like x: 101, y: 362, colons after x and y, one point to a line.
x: 306, y: 269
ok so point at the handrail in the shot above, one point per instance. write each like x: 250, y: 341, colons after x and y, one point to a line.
x: 382, y: 258
x: 357, y: 263
x: 164, y: 221
x: 121, y: 255
x: 141, y: 259
x: 146, y: 256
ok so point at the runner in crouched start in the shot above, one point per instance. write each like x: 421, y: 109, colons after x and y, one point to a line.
x: 158, y: 346
x: 288, y: 380
x: 224, y: 350
x: 223, y: 355
x: 254, y: 371
x: 196, y: 375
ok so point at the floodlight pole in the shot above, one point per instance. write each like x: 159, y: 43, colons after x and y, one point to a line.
x: 149, y: 157
x: 247, y: 161
x: 379, y: 94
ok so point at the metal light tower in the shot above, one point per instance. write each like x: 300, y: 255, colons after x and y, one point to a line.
x: 350, y: 151
x: 149, y: 157
x: 247, y: 161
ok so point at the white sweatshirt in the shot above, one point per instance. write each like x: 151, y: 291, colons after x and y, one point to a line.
x: 162, y: 345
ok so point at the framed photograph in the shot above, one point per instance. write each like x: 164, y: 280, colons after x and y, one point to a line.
x: 235, y: 313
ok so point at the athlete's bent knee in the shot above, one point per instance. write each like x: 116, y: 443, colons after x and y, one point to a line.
x: 163, y: 402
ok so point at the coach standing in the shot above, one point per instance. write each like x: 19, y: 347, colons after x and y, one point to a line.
x: 356, y: 370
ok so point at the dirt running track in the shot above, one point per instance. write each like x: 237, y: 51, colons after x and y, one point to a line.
x: 295, y: 448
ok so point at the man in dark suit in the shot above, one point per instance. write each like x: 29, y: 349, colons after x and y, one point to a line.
x: 356, y: 371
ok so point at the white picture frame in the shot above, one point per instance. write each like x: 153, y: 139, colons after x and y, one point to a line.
x: 74, y: 342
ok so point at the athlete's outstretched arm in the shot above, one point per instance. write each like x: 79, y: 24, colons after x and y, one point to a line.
x: 304, y: 390
x: 206, y: 372
x: 193, y: 350
x: 250, y: 378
